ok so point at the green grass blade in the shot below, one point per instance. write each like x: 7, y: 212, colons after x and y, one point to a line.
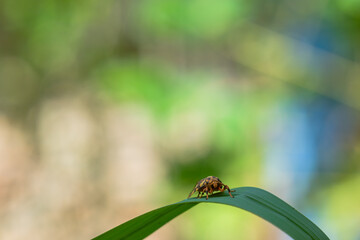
x: 254, y: 200
x: 143, y: 225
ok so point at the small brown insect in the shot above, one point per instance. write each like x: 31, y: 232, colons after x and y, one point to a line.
x: 209, y: 185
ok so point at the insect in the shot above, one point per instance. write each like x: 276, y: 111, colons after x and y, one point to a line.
x: 208, y: 185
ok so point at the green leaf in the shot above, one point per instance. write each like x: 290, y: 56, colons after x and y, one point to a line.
x: 255, y: 200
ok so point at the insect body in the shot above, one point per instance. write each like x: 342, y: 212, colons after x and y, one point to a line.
x: 209, y: 185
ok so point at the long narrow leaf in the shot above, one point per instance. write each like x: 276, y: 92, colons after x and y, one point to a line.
x: 255, y: 200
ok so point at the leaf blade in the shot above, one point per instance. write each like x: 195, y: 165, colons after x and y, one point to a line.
x: 254, y: 200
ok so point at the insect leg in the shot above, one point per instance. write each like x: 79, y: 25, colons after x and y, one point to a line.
x: 192, y: 192
x: 229, y: 190
x: 201, y: 194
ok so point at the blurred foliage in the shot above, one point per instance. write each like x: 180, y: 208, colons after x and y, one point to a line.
x: 177, y: 18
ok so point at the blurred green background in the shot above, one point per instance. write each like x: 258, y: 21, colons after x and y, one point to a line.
x: 109, y: 109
